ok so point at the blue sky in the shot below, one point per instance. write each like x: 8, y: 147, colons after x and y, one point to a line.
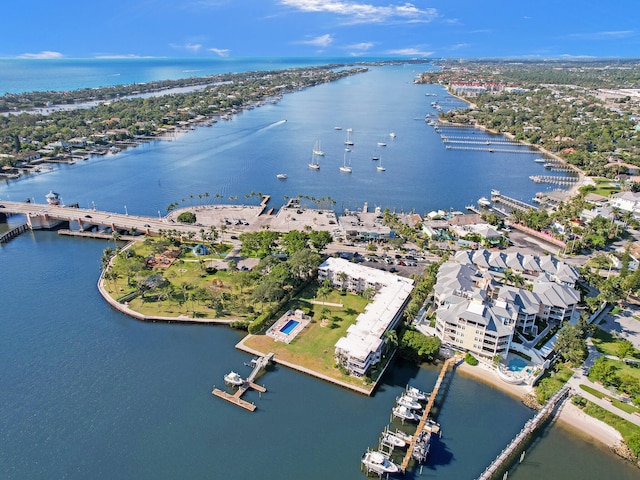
x: 246, y: 28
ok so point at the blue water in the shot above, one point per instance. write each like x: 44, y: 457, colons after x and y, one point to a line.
x: 90, y: 393
x: 517, y: 364
x: 289, y: 326
x: 20, y: 75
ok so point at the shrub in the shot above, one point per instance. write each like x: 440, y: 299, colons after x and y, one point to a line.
x: 470, y: 359
x: 187, y: 217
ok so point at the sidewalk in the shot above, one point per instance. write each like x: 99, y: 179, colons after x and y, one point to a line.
x: 580, y: 377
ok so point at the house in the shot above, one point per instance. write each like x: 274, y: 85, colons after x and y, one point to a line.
x: 627, y: 201
x: 364, y: 344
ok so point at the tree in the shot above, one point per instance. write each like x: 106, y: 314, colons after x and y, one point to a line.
x: 571, y: 345
x: 417, y: 346
x: 624, y: 348
x: 320, y: 239
x: 603, y: 371
x: 187, y: 217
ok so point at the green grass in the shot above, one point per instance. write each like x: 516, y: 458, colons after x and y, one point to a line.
x: 552, y: 381
x: 314, y: 347
x: 604, y: 187
x: 626, y: 428
x: 606, y: 343
x: 625, y: 407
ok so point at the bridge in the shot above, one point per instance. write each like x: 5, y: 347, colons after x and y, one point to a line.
x: 44, y: 216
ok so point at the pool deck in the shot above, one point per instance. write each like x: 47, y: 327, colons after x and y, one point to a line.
x: 275, y: 331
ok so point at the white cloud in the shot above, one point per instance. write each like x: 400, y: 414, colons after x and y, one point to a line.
x: 126, y: 55
x: 603, y: 35
x: 43, y: 54
x: 364, y: 12
x: 362, y: 46
x: 191, y: 47
x: 409, y: 52
x: 322, y: 41
x: 221, y: 52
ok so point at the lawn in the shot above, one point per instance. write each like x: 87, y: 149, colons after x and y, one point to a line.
x: 605, y: 187
x: 626, y: 428
x: 606, y: 343
x: 313, y: 348
x: 625, y: 407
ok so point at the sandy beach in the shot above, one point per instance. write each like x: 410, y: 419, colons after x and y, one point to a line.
x: 570, y: 416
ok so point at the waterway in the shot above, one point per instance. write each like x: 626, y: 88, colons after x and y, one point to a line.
x: 90, y: 393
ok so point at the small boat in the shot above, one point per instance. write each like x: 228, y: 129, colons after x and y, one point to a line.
x: 540, y: 160
x: 403, y: 412
x: 345, y: 168
x: 413, y: 392
x: 281, y: 176
x: 316, y: 149
x: 392, y: 135
x: 382, y: 144
x: 380, y: 168
x: 348, y: 140
x: 379, y: 463
x: 375, y: 157
x: 337, y: 128
x: 393, y: 439
x: 233, y: 378
x: 407, y: 401
x: 484, y: 202
x: 314, y: 165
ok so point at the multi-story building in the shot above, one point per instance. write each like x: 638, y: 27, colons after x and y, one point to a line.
x: 364, y: 344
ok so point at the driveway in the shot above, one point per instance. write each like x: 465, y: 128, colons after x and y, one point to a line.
x: 625, y: 324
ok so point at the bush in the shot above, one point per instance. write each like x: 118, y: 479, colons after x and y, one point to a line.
x: 470, y: 359
x: 187, y: 217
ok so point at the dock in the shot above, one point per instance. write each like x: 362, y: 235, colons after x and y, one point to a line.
x: 514, y: 203
x: 236, y: 398
x: 500, y: 463
x: 450, y: 362
x: 13, y: 233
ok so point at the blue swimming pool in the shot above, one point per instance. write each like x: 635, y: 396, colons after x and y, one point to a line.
x: 289, y: 326
x: 517, y: 364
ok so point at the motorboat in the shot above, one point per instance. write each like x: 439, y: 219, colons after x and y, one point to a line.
x: 409, y: 402
x: 484, y: 202
x: 233, y: 378
x: 379, y: 463
x: 281, y: 176
x: 393, y: 439
x: 382, y: 144
x: 392, y: 135
x: 540, y: 160
x: 416, y: 394
x: 403, y: 412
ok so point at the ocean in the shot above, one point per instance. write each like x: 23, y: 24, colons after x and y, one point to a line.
x: 91, y: 393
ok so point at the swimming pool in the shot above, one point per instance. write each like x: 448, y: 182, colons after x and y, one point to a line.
x: 517, y: 364
x: 289, y: 326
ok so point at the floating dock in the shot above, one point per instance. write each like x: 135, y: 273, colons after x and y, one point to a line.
x: 236, y: 398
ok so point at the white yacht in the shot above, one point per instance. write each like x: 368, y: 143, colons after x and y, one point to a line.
x: 403, y: 412
x: 409, y: 402
x: 484, y: 202
x: 281, y: 176
x: 413, y: 392
x: 392, y: 135
x: 233, y: 378
x: 393, y: 439
x: 377, y: 462
x: 382, y: 144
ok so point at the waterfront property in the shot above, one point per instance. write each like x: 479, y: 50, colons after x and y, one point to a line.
x: 477, y: 312
x: 288, y: 326
x: 364, y: 344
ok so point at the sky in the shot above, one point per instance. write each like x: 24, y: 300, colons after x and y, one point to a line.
x: 326, y: 28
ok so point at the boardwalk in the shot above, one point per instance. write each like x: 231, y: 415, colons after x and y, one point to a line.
x: 450, y: 362
x: 236, y: 398
x: 500, y: 462
x: 511, y: 202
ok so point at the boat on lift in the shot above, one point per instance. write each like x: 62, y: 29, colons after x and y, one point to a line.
x: 416, y: 394
x: 233, y: 378
x: 393, y: 439
x: 379, y: 463
x: 404, y: 413
x: 409, y: 402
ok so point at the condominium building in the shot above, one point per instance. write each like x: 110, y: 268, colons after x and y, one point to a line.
x: 364, y: 344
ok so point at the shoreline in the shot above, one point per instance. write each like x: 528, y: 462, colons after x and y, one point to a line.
x: 569, y: 416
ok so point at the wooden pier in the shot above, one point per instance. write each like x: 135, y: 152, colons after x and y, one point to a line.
x: 514, y: 203
x: 500, y: 462
x: 236, y: 398
x: 555, y: 179
x: 450, y: 362
x: 13, y: 233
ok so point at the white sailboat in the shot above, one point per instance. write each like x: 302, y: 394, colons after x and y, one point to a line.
x: 317, y: 150
x: 348, y: 141
x: 314, y: 165
x: 345, y: 168
x: 380, y: 168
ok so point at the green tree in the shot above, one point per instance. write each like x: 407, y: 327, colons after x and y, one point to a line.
x: 187, y: 217
x: 571, y: 345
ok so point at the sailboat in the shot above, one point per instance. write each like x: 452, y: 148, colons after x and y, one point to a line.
x: 314, y: 165
x: 380, y: 168
x: 348, y: 141
x: 345, y: 168
x: 316, y: 149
